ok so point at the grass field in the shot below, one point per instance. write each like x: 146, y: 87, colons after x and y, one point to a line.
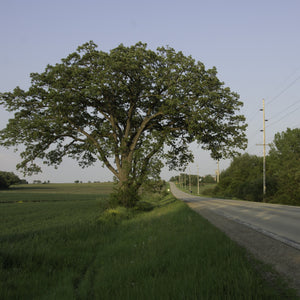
x: 61, y: 242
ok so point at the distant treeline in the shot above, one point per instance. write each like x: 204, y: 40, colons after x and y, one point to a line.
x: 9, y: 178
x: 185, y: 179
x: 243, y: 179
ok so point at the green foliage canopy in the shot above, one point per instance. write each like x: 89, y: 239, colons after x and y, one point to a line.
x: 7, y: 179
x: 284, y: 161
x: 194, y: 178
x: 243, y: 178
x: 124, y: 108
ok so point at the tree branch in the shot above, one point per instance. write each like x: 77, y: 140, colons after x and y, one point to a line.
x: 100, y: 150
x: 145, y: 164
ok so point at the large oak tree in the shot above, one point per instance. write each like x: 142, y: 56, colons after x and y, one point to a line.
x: 131, y: 108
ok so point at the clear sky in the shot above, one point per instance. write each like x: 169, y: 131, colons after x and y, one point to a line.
x: 254, y: 45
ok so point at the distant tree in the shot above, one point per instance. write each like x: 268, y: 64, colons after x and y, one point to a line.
x: 123, y: 108
x: 173, y: 178
x: 7, y: 179
x: 284, y: 162
x: 37, y: 181
x: 242, y: 179
x: 208, y: 179
x: 23, y: 181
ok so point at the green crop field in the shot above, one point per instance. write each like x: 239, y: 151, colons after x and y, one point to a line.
x: 61, y: 241
x: 55, y: 192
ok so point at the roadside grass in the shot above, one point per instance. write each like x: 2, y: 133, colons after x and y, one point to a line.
x: 79, y: 249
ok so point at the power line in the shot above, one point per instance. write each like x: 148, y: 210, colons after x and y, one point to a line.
x: 296, y: 102
x: 254, y: 114
x: 285, y: 89
x: 253, y: 135
x: 287, y: 114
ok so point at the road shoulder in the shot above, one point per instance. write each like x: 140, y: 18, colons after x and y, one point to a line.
x: 284, y: 258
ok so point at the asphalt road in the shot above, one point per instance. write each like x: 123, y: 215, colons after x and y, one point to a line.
x: 281, y: 222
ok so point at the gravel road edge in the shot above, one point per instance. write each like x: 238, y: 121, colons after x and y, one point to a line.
x: 284, y: 258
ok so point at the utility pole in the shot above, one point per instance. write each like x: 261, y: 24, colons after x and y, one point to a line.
x: 190, y: 183
x: 181, y: 180
x: 198, y: 183
x: 264, y: 148
x: 218, y: 172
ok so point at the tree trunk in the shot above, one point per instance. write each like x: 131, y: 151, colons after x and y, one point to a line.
x: 127, y: 193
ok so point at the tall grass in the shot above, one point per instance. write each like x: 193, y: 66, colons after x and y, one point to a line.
x: 78, y: 249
